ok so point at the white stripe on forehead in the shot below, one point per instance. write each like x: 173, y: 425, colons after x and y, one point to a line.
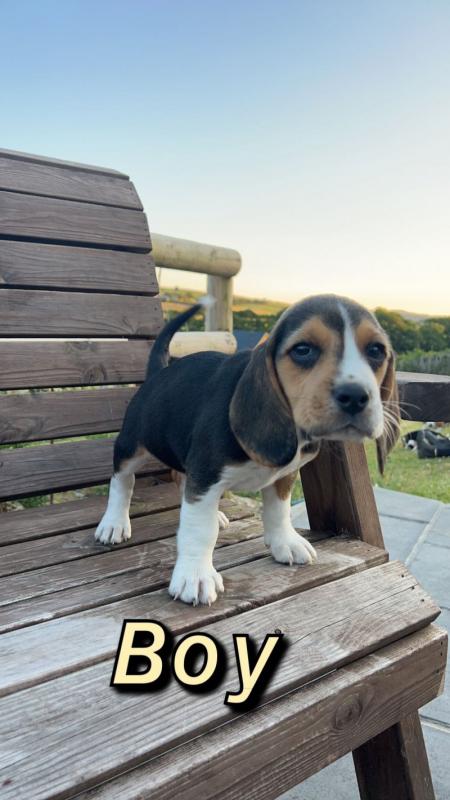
x: 354, y: 367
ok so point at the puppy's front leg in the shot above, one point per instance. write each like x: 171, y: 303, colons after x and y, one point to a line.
x: 115, y: 526
x: 286, y: 544
x: 194, y: 579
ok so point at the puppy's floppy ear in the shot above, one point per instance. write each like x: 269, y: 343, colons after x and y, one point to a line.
x: 391, y: 409
x: 260, y: 415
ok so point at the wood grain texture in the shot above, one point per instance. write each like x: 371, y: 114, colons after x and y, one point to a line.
x: 53, y: 266
x: 155, y: 558
x: 260, y: 755
x: 424, y: 397
x: 394, y: 764
x: 71, y: 222
x: 55, y: 415
x: 51, y: 180
x: 43, y: 364
x: 63, y: 547
x: 57, y: 647
x: 339, y: 495
x: 36, y: 159
x: 58, y: 467
x: 328, y: 627
x: 27, y: 312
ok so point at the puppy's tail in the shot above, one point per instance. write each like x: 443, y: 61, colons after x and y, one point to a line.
x: 159, y: 356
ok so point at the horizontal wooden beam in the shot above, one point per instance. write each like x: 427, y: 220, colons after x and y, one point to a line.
x: 183, y: 254
x: 183, y: 344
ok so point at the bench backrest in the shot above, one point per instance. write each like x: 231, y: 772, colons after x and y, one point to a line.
x: 77, y: 309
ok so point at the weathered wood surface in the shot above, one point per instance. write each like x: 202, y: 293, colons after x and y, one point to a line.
x: 55, y: 415
x: 58, y: 467
x: 188, y: 342
x: 339, y: 495
x: 280, y: 745
x: 394, y: 764
x: 34, y: 159
x: 219, y: 316
x: 63, y: 547
x: 36, y: 523
x: 328, y: 627
x: 41, y: 364
x: 52, y: 266
x: 72, y: 222
x: 52, y: 180
x: 183, y: 254
x: 424, y: 397
x: 29, y: 312
x: 59, y: 646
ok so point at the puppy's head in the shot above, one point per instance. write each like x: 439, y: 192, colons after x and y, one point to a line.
x: 327, y: 371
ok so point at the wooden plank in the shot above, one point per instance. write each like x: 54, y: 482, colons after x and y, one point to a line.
x: 29, y: 312
x: 55, y: 415
x: 64, y: 547
x: 424, y: 397
x: 394, y: 764
x: 67, y: 184
x: 184, y: 254
x: 298, y: 736
x: 53, y: 266
x: 71, y: 222
x: 41, y: 364
x: 57, y: 467
x: 339, y: 495
x: 328, y: 627
x: 157, y: 558
x: 149, y: 496
x: 58, y: 647
x: 31, y: 158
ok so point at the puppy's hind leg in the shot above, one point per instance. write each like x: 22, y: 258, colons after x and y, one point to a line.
x: 287, y: 546
x: 115, y: 526
x: 194, y: 579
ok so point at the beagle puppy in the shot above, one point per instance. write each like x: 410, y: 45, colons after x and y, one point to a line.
x: 249, y: 421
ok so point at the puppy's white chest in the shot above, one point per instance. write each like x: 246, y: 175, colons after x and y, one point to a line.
x: 251, y: 476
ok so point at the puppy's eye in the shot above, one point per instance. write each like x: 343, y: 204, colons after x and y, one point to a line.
x: 305, y: 354
x: 376, y: 351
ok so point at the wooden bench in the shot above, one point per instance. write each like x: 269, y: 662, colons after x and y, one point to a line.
x: 78, y: 311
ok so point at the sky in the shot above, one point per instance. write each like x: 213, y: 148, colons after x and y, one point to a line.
x: 312, y: 136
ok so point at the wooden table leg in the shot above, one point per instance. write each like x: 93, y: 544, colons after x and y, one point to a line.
x: 394, y: 764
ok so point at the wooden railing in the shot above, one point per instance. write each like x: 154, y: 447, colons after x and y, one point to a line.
x: 220, y: 264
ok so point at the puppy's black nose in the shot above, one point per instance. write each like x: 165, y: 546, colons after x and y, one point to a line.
x: 351, y: 398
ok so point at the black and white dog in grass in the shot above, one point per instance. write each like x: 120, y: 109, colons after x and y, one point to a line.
x: 249, y: 421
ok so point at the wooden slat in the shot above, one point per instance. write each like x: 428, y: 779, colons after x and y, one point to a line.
x: 328, y: 627
x: 155, y: 558
x: 300, y: 734
x: 67, y: 184
x: 67, y: 221
x: 27, y: 312
x: 55, y: 647
x: 34, y: 159
x: 55, y: 415
x: 424, y: 397
x: 38, y: 364
x: 394, y: 763
x: 338, y: 492
x: 53, y: 266
x: 58, y: 467
x: 64, y: 547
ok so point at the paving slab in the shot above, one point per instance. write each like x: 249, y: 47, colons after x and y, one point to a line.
x: 339, y: 781
x: 406, y: 506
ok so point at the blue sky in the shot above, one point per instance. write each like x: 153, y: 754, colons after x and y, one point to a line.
x: 314, y: 137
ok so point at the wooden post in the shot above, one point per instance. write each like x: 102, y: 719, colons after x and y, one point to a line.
x: 219, y: 317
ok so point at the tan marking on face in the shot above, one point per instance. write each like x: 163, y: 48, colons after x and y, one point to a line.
x: 367, y: 332
x: 309, y: 390
x: 283, y: 486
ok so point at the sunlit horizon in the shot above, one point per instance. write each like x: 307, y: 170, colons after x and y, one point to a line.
x: 312, y: 137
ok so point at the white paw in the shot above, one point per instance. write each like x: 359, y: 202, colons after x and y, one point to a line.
x: 113, y: 530
x: 195, y: 583
x: 223, y: 520
x: 291, y: 548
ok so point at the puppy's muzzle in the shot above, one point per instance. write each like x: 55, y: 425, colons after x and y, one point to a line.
x: 351, y: 398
